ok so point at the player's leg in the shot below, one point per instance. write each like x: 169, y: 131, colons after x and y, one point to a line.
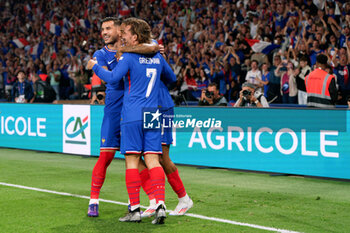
x: 157, y: 178
x: 133, y: 185
x: 131, y: 146
x: 147, y: 188
x: 185, y: 202
x: 98, y: 178
x: 152, y: 150
x: 110, y: 142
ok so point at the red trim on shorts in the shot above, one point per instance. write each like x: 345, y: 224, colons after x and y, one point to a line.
x: 152, y: 152
x: 133, y: 152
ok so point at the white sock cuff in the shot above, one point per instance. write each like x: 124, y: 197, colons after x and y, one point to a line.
x: 93, y: 201
x: 152, y: 202
x: 185, y: 198
x: 134, y: 207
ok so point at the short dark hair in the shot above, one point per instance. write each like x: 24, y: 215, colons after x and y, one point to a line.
x: 116, y: 21
x: 277, y: 56
x: 322, y: 59
x: 254, y: 61
x: 214, y: 85
x: 21, y: 71
x: 304, y: 58
x: 140, y: 28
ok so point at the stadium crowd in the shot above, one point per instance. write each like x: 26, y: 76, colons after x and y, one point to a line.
x: 271, y: 44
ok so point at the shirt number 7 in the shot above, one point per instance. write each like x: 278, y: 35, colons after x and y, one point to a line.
x: 150, y: 73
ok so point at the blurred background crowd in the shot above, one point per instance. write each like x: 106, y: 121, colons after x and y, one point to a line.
x: 272, y: 44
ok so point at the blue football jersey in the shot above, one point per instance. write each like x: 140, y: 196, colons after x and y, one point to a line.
x: 141, y: 88
x: 165, y: 100
x: 106, y: 57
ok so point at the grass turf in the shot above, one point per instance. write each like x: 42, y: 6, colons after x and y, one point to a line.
x: 293, y: 203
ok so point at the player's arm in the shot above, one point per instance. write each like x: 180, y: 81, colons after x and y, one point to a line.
x: 111, y: 77
x: 168, y: 75
x: 101, y: 60
x: 140, y: 48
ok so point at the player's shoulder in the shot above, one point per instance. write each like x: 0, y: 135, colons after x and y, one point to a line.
x: 104, y: 50
x: 126, y: 56
x: 99, y: 52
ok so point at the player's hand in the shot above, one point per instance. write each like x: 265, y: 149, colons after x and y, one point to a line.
x: 91, y: 63
x: 161, y: 49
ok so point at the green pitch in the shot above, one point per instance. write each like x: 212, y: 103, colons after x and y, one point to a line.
x: 278, y: 202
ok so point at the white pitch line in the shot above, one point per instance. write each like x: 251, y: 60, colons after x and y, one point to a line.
x: 126, y: 204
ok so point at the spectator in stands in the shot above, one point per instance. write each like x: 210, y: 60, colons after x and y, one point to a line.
x: 265, y: 77
x: 282, y: 71
x: 198, y: 35
x: 227, y: 77
x: 273, y: 93
x: 234, y: 91
x: 55, y: 76
x: 80, y: 78
x: 22, y: 91
x: 254, y: 75
x: 235, y: 68
x: 40, y: 67
x: 202, y: 83
x: 288, y: 84
x: 212, y: 97
x: 217, y: 75
x: 190, y: 78
x: 66, y: 83
x: 9, y: 78
x: 42, y: 91
x: 301, y: 73
x: 315, y: 50
x: 250, y: 97
x: 342, y: 71
x: 234, y: 64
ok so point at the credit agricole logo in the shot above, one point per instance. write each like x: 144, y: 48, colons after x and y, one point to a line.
x: 76, y: 127
x: 75, y: 130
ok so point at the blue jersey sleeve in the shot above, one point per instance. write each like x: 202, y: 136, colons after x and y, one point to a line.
x: 168, y: 75
x: 100, y: 58
x: 114, y: 76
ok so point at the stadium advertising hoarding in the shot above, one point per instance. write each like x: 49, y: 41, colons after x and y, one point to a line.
x: 76, y: 129
x: 48, y: 127
x: 34, y: 127
x: 292, y: 141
